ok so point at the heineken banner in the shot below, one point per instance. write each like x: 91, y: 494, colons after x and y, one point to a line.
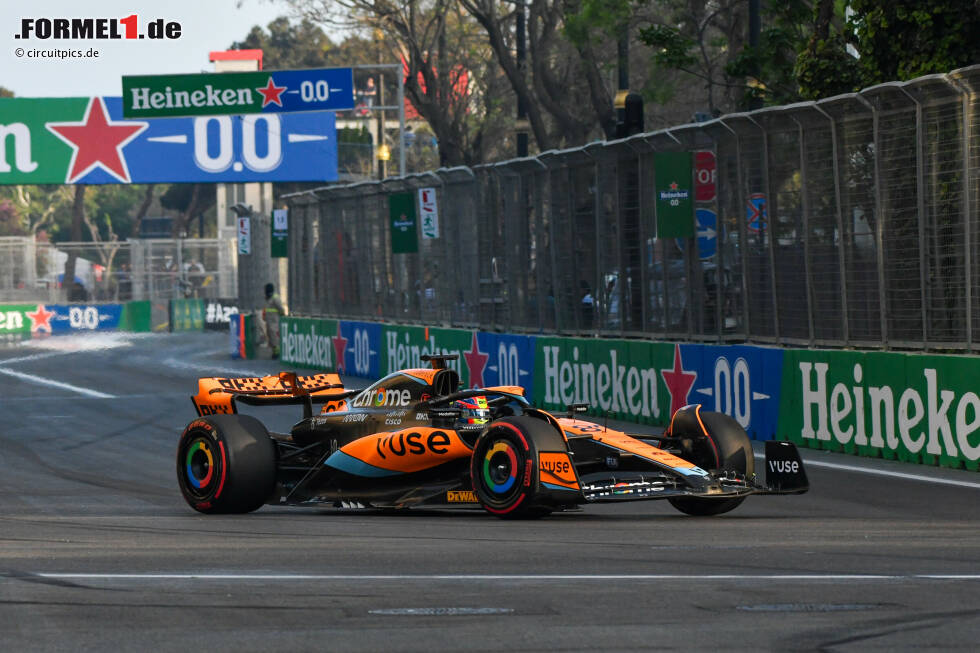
x: 404, y: 236
x: 358, y: 347
x: 310, y: 342
x: 501, y: 359
x: 675, y: 206
x: 86, y: 141
x: 280, y: 233
x: 404, y: 347
x: 215, y: 94
x: 43, y: 319
x: 912, y: 407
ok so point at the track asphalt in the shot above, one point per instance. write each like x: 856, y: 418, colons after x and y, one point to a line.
x: 98, y: 551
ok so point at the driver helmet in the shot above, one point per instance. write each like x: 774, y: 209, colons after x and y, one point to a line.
x: 474, y: 414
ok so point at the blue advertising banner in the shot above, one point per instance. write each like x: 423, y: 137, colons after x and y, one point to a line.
x: 510, y: 360
x: 64, y: 318
x: 86, y: 141
x: 359, y: 348
x: 743, y: 382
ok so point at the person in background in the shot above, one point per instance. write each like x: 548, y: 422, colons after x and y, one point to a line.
x: 270, y: 315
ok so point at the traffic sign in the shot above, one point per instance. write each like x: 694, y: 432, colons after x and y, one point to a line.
x: 216, y: 94
x: 755, y: 213
x: 704, y: 176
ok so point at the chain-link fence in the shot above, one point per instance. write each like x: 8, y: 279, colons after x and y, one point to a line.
x: 154, y: 269
x: 847, y: 222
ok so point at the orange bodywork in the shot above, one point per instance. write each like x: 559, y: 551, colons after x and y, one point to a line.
x: 557, y: 469
x: 623, y: 442
x: 215, y: 394
x: 408, y: 450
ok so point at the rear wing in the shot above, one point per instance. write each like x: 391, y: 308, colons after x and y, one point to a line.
x: 217, y: 395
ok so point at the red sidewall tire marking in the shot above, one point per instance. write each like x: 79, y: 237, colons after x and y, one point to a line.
x: 224, y: 470
x: 527, y: 474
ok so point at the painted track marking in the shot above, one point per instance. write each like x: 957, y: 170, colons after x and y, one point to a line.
x: 510, y: 577
x: 40, y: 380
x: 884, y: 472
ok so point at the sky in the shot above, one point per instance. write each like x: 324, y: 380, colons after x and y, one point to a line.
x: 205, y: 25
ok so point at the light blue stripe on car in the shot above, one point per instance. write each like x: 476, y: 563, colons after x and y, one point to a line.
x: 351, y: 465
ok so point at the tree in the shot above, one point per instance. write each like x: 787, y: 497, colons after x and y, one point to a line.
x: 286, y: 44
x: 190, y: 201
x: 444, y: 57
x: 704, y: 41
x: 6, y: 92
x: 904, y: 39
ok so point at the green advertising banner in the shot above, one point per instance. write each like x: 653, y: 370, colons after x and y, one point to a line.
x: 136, y: 317
x: 404, y: 347
x: 621, y: 378
x: 14, y: 319
x: 280, y: 233
x: 404, y: 236
x: 187, y: 315
x: 911, y: 407
x: 310, y: 342
x: 675, y: 206
x: 215, y: 94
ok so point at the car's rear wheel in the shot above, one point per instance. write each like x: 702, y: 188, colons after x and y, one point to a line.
x: 504, y: 469
x: 226, y: 464
x: 723, y: 445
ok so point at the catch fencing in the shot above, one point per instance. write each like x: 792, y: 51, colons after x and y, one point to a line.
x: 152, y: 269
x: 847, y: 222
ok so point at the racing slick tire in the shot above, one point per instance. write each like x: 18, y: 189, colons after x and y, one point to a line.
x: 226, y: 464
x: 722, y: 444
x: 504, y: 468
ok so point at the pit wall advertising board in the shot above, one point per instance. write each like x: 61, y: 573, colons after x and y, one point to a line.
x: 31, y: 320
x: 910, y: 407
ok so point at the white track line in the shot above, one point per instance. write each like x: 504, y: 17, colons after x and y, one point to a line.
x: 885, y: 472
x: 511, y: 577
x: 23, y: 376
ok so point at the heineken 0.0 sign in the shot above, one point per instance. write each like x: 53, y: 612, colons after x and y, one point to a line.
x: 276, y: 91
x: 675, y: 206
x: 404, y: 237
x: 280, y: 233
x: 87, y: 141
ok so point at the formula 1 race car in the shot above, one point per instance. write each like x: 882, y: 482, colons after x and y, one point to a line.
x: 415, y: 439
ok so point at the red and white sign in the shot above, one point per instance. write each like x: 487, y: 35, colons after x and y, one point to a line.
x: 704, y: 176
x: 429, y: 213
x: 244, y: 235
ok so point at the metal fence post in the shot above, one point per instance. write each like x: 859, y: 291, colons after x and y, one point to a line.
x: 845, y: 306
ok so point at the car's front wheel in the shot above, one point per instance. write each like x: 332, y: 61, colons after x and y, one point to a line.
x: 718, y: 443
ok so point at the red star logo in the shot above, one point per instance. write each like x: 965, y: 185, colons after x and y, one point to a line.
x: 673, y: 185
x: 678, y: 382
x: 271, y: 93
x: 476, y: 360
x: 340, y: 346
x: 40, y: 319
x: 97, y: 141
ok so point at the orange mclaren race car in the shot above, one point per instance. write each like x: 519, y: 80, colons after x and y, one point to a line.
x: 415, y: 439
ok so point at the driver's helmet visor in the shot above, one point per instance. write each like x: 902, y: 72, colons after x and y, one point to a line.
x: 474, y: 412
